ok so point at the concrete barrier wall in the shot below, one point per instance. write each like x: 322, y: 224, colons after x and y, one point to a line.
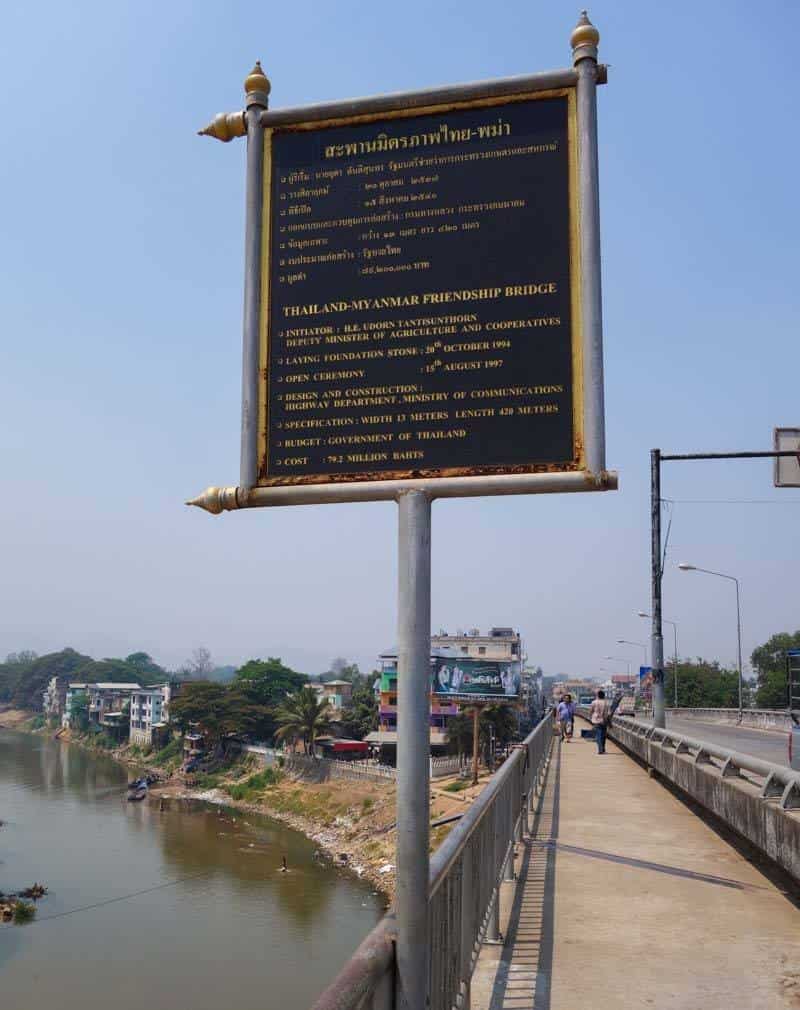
x: 754, y: 718
x: 737, y: 802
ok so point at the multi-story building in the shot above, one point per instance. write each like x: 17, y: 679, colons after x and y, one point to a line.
x: 105, y: 699
x: 337, y: 693
x: 501, y: 648
x: 149, y: 713
x: 54, y: 697
x: 502, y: 645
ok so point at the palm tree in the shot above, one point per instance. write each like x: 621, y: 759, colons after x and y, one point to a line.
x: 459, y: 733
x: 303, y: 714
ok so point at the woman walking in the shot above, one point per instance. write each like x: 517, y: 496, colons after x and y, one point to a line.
x: 598, y: 716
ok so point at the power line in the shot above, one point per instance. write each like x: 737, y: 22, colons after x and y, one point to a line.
x: 729, y: 501
x: 121, y: 897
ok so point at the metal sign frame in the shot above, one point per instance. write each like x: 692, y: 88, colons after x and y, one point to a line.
x: 589, y: 473
x: 787, y: 469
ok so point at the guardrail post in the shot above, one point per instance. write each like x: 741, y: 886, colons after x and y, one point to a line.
x: 468, y: 928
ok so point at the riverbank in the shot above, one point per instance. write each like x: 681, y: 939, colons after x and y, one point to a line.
x: 351, y: 821
x: 15, y: 718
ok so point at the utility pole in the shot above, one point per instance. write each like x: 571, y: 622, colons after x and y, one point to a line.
x: 656, y: 574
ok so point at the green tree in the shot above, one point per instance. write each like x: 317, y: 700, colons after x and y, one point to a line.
x: 361, y: 717
x: 79, y: 711
x: 145, y: 666
x: 703, y: 684
x: 217, y: 709
x: 769, y: 661
x: 268, y: 681
x: 31, y: 678
x: 498, y: 721
x: 303, y: 715
x: 459, y: 733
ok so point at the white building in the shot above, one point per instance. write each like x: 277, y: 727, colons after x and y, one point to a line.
x: 149, y: 710
x: 54, y: 697
x: 106, y: 698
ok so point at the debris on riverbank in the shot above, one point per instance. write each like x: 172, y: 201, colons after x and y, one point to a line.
x: 14, y: 909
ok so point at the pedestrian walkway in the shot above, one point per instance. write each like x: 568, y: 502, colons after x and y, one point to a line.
x: 625, y: 898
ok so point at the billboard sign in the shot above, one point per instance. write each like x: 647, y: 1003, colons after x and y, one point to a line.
x: 472, y: 678
x: 420, y: 294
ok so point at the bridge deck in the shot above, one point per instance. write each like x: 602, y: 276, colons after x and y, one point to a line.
x: 627, y: 899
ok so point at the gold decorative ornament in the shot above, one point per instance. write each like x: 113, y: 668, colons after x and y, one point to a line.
x: 225, y: 127
x: 257, y: 81
x: 584, y: 33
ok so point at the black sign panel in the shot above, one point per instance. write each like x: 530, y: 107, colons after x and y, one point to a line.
x: 419, y: 296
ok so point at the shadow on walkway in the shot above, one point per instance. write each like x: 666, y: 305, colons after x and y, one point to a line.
x: 525, y: 968
x: 646, y: 864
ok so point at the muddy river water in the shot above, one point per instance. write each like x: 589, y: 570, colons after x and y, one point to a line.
x: 160, y: 909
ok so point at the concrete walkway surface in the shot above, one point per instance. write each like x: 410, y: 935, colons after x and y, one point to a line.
x: 627, y: 899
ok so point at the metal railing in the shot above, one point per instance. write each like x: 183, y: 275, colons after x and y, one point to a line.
x: 466, y: 872
x: 776, y: 780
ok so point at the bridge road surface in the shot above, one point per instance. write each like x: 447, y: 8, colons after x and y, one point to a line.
x: 759, y: 743
x: 625, y: 899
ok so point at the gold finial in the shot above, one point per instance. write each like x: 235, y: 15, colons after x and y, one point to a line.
x: 217, y: 499
x: 585, y: 37
x: 257, y: 81
x: 225, y: 127
x: 208, y: 500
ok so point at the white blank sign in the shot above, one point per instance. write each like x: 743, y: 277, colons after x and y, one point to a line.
x: 787, y: 468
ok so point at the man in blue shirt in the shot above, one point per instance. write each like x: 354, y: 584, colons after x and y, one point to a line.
x: 565, y: 713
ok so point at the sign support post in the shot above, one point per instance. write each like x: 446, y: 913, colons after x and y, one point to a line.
x: 413, y: 749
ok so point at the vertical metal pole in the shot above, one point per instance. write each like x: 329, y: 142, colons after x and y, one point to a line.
x: 584, y: 42
x: 657, y: 640
x: 475, y: 729
x: 257, y: 97
x: 413, y: 749
x: 675, y: 661
x: 739, y: 643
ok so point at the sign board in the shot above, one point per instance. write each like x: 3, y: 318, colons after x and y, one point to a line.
x: 473, y: 679
x: 420, y: 294
x: 787, y: 468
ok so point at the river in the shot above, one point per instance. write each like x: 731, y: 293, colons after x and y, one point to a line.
x: 160, y: 909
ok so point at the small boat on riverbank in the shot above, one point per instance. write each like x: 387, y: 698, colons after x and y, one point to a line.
x: 138, y: 789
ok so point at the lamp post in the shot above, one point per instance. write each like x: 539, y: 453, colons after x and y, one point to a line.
x: 621, y: 659
x: 643, y: 613
x: 639, y: 645
x: 686, y: 567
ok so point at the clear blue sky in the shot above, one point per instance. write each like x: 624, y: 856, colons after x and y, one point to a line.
x: 121, y: 275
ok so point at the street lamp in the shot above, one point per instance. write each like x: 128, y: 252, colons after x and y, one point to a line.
x: 643, y: 613
x: 639, y: 645
x: 621, y: 659
x: 686, y: 567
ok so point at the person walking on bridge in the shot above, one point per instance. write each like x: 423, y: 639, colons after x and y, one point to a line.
x: 598, y: 715
x: 565, y: 715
